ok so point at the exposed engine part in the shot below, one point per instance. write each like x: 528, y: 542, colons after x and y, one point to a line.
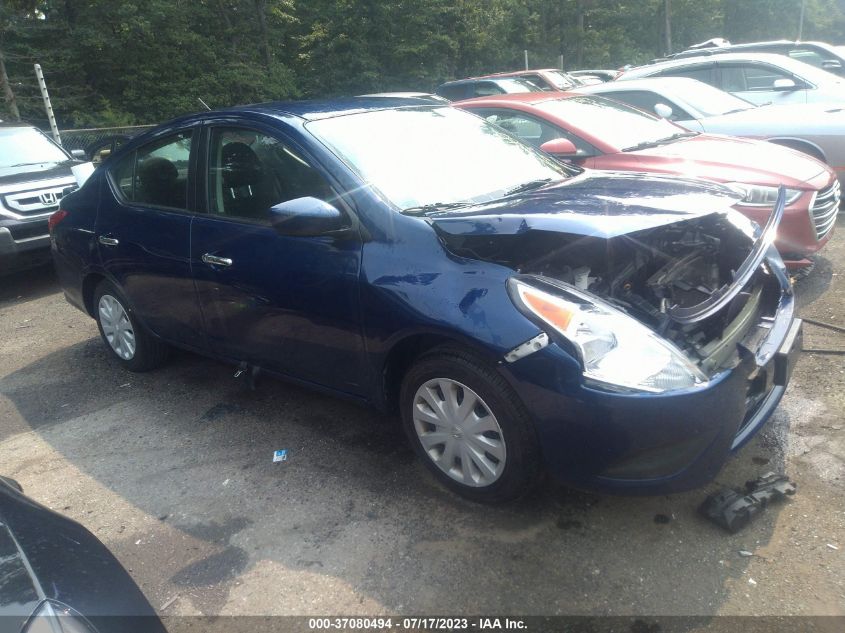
x: 650, y: 275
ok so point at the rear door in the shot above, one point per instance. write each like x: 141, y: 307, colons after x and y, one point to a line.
x: 285, y: 303
x: 143, y: 234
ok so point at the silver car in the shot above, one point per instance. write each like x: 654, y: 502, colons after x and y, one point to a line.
x: 757, y: 77
x: 815, y: 129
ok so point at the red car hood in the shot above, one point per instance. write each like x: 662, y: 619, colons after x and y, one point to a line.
x: 724, y: 159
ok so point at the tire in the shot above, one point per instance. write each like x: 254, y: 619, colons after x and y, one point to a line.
x: 503, y: 453
x: 135, y: 348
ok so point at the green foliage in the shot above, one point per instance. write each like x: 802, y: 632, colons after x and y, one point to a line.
x: 120, y: 62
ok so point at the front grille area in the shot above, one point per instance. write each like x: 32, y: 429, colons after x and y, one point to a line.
x: 825, y: 208
x: 31, y: 203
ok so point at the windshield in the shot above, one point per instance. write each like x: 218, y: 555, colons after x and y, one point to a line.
x: 434, y: 156
x: 517, y: 84
x: 614, y: 123
x: 562, y: 80
x: 711, y: 101
x: 21, y: 146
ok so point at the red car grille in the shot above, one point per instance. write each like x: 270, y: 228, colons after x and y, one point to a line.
x: 824, y: 209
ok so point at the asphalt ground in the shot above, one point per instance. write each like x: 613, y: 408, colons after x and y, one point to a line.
x: 173, y: 471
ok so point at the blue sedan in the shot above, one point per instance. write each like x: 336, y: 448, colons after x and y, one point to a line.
x: 620, y: 331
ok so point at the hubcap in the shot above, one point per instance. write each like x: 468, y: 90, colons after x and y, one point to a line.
x: 459, y: 432
x: 117, y: 327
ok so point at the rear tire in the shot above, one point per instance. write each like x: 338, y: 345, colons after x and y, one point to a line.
x: 133, y: 346
x: 468, y: 426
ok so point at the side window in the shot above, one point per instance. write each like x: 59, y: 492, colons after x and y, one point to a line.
x: 156, y: 174
x: 533, y: 131
x: 486, y: 88
x: 455, y: 92
x: 763, y: 77
x: 700, y: 73
x: 733, y: 79
x: 539, y: 82
x: 807, y: 56
x: 645, y: 100
x: 249, y: 172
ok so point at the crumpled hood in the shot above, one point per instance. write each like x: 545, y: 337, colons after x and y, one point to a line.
x: 596, y: 203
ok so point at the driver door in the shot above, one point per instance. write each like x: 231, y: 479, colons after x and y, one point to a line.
x: 285, y: 303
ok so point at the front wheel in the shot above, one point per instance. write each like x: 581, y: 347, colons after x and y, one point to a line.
x: 469, y: 427
x: 135, y: 348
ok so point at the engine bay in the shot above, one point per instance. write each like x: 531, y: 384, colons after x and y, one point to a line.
x: 647, y: 274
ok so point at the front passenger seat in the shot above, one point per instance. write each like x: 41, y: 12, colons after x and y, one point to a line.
x: 243, y: 182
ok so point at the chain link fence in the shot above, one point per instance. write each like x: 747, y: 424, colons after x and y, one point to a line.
x: 97, y: 143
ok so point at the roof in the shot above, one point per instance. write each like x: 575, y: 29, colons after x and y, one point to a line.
x: 311, y: 110
x: 771, y: 58
x: 531, y: 98
x: 671, y: 84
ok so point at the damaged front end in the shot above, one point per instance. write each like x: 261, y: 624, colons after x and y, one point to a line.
x: 654, y: 310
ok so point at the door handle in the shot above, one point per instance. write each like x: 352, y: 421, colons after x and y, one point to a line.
x: 208, y: 258
x: 107, y: 241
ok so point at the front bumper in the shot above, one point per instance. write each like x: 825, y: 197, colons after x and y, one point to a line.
x: 643, y: 443
x: 23, y: 245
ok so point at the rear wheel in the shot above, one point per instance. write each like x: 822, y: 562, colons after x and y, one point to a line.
x: 135, y: 348
x: 469, y: 427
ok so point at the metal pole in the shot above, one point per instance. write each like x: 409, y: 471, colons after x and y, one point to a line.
x: 47, y: 106
x: 526, y: 58
x: 801, y: 19
x: 560, y: 61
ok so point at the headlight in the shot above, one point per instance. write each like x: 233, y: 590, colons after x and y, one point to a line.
x: 758, y: 196
x: 615, y: 349
x: 54, y: 617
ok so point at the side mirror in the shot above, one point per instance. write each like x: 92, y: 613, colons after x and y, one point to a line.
x: 306, y: 217
x: 560, y: 148
x: 784, y: 85
x: 78, y: 153
x: 663, y: 111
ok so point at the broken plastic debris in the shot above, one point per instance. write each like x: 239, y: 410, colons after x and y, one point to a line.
x: 745, y: 552
x: 734, y: 509
x: 280, y: 455
x: 832, y: 546
x: 751, y: 581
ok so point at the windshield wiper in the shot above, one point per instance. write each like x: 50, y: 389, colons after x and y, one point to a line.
x: 527, y: 186
x: 425, y: 209
x: 658, y: 142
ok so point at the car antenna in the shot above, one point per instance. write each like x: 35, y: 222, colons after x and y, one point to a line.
x: 205, y: 105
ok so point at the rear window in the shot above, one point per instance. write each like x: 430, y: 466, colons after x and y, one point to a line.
x: 156, y: 174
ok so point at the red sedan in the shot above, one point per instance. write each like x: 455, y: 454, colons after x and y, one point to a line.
x: 595, y: 132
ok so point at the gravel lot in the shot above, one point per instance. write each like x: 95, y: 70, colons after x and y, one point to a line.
x: 173, y: 471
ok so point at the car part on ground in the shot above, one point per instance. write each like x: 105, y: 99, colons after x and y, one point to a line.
x: 734, y: 509
x: 58, y: 577
x: 420, y: 259
x: 595, y: 132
